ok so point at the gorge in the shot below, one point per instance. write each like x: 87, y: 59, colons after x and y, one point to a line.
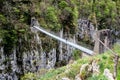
x: 24, y: 49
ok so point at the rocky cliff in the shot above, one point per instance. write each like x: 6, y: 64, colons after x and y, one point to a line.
x: 24, y: 49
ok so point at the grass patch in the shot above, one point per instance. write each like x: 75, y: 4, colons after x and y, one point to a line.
x: 71, y: 70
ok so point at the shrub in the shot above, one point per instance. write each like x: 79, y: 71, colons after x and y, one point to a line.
x: 2, y: 19
x: 76, y: 54
x: 29, y: 76
x: 62, y: 4
x: 51, y: 17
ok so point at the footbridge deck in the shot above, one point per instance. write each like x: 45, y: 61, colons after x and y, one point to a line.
x: 87, y: 51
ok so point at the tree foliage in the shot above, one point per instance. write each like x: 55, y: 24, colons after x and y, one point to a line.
x: 57, y: 14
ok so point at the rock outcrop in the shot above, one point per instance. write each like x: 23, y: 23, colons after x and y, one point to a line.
x: 88, y: 70
x: 108, y: 74
x: 65, y: 78
x: 31, y: 52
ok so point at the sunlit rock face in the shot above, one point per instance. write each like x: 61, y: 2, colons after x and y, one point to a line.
x: 85, y: 30
x: 8, y: 67
x: 108, y: 74
x: 25, y: 57
x: 29, y: 55
x: 88, y: 69
x: 65, y: 51
x: 88, y: 34
x: 65, y: 79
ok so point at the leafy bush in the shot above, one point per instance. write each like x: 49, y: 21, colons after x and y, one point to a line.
x: 71, y: 74
x: 63, y: 4
x: 29, y: 76
x: 2, y: 19
x: 9, y: 40
x: 76, y: 54
x: 52, y: 18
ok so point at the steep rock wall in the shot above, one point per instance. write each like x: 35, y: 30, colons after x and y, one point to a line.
x: 40, y: 51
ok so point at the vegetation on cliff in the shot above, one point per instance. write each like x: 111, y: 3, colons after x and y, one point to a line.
x: 15, y: 16
x: 15, y: 22
x: 52, y: 14
x: 104, y: 61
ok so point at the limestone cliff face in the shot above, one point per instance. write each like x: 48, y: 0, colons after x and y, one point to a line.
x: 23, y: 49
x: 21, y: 61
x: 30, y: 55
x: 35, y: 51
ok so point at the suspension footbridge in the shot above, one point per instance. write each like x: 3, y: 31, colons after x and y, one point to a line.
x: 87, y: 51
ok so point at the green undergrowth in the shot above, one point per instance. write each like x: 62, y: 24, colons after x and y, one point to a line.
x: 71, y: 70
